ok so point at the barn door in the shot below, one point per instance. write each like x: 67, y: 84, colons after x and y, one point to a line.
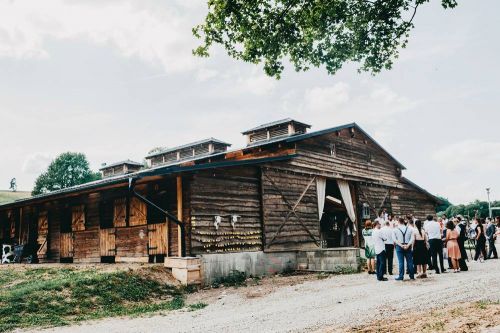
x: 157, y: 239
x: 43, y: 231
x: 67, y: 245
x: 107, y: 242
x: 291, y: 213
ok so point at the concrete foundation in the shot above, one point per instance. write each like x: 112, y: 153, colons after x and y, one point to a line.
x: 214, y: 266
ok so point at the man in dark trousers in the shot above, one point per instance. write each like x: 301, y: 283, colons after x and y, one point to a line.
x: 491, y: 237
x: 462, y: 237
x: 433, y: 230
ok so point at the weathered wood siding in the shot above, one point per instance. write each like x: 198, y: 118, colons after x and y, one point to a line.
x: 343, y: 155
x: 377, y: 197
x: 283, y: 230
x: 234, y: 191
x: 411, y: 201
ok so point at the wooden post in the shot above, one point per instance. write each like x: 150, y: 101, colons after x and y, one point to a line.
x: 20, y: 225
x: 179, y: 215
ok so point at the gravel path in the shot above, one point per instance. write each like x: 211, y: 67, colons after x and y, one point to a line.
x: 338, y: 301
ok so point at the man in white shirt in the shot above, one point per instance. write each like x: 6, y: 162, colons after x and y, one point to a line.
x: 379, y: 242
x: 433, y: 230
x: 404, y: 239
x: 389, y: 246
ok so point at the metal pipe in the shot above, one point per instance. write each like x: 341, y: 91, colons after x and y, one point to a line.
x: 489, y: 202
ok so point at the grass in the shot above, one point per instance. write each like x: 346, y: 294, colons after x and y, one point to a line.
x: 197, y: 306
x: 233, y: 279
x: 41, y: 297
x: 9, y: 196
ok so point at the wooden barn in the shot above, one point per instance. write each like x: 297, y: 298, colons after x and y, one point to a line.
x: 290, y: 198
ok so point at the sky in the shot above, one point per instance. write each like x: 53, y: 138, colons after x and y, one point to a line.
x: 114, y: 79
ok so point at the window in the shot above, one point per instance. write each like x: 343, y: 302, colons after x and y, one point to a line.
x: 366, y: 211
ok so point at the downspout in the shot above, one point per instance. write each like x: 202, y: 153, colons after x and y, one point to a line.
x: 173, y: 218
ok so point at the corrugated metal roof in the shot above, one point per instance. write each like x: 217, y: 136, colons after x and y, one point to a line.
x: 187, y: 145
x: 127, y: 161
x: 276, y: 123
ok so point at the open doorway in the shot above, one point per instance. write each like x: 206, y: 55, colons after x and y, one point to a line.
x: 335, y: 226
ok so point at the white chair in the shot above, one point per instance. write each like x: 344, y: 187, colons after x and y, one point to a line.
x: 7, y: 254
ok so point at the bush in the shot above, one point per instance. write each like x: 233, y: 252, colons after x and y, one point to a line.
x: 234, y: 279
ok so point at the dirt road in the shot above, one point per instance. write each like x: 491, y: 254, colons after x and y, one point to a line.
x: 338, y: 302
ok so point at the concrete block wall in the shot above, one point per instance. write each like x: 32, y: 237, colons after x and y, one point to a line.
x: 330, y: 260
x: 260, y: 263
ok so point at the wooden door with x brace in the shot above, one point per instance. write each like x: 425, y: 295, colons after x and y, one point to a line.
x: 290, y: 209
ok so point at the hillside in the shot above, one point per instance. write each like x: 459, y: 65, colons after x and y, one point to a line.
x: 9, y: 196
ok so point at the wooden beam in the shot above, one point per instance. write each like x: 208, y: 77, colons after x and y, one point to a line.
x: 179, y: 214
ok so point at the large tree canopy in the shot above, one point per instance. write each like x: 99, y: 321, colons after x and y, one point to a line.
x: 68, y: 169
x: 310, y: 32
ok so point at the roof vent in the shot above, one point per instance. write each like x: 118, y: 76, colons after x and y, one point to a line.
x: 186, y: 152
x: 120, y: 168
x: 274, y: 130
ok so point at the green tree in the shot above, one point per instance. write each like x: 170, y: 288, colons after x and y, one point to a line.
x: 445, y: 203
x: 310, y: 32
x: 471, y: 209
x: 68, y: 169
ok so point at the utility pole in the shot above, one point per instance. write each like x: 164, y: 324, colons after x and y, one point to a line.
x: 489, y: 202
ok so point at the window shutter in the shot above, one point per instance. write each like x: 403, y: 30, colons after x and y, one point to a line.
x: 120, y: 212
x: 78, y: 218
x: 138, y: 212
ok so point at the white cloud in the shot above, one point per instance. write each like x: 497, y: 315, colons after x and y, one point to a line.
x: 324, y: 99
x: 36, y: 163
x: 154, y: 35
x: 257, y: 83
x: 205, y: 74
x: 469, y: 156
x: 376, y: 107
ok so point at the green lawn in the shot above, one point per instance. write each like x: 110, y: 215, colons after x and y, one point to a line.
x: 9, y: 196
x: 40, y: 297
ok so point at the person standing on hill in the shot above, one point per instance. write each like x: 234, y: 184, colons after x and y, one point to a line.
x: 403, y: 237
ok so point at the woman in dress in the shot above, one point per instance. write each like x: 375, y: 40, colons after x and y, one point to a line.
x: 480, y: 240
x: 420, y: 250
x: 369, y: 247
x: 452, y: 245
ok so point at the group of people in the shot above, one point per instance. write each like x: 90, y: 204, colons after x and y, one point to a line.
x: 424, y: 245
